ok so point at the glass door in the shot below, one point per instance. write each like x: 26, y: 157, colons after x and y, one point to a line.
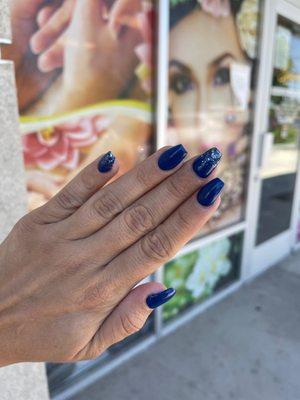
x: 279, y: 150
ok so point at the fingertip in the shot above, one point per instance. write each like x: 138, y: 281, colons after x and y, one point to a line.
x: 43, y: 63
x: 157, y: 299
x: 108, y: 163
x: 33, y: 43
x: 210, y: 192
x: 144, y: 290
x: 47, y: 63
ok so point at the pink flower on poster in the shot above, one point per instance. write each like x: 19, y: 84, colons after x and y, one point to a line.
x: 59, y: 146
x: 217, y: 8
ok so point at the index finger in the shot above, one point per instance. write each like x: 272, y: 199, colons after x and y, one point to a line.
x: 107, y: 203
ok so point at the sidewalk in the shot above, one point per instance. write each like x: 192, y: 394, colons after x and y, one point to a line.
x: 247, y: 347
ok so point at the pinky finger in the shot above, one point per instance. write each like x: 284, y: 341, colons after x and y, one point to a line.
x: 128, y: 317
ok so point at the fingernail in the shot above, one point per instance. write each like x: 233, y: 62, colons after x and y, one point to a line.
x: 157, y: 299
x: 209, y: 193
x: 207, y: 162
x: 106, y: 162
x: 172, y: 157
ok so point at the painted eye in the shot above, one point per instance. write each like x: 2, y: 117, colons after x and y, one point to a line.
x: 181, y: 83
x: 222, y: 76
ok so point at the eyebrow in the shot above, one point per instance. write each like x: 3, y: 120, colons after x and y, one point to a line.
x: 183, y: 67
x: 219, y: 59
x: 214, y: 63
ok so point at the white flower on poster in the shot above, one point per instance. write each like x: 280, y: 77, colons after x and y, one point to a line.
x: 213, y: 263
x: 247, y: 20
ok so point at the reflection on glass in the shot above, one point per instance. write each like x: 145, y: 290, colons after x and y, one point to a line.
x: 279, y: 174
x: 212, y: 52
x: 199, y: 274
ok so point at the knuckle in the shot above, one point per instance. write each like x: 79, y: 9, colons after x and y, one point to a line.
x: 87, y: 180
x: 184, y: 220
x: 143, y: 176
x: 68, y: 200
x: 96, y: 295
x: 108, y: 205
x: 93, y: 296
x: 138, y: 219
x: 26, y: 225
x: 157, y: 246
x: 175, y: 189
x: 131, y: 324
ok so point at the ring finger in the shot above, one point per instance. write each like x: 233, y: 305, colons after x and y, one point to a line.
x: 157, y: 247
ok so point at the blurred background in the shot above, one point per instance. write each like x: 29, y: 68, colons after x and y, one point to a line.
x: 203, y: 73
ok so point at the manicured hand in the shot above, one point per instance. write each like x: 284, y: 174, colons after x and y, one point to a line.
x: 69, y: 270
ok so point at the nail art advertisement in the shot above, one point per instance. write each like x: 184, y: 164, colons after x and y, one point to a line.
x: 212, y: 59
x: 84, y: 83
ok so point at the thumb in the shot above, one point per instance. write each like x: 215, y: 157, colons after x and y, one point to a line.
x: 129, y: 316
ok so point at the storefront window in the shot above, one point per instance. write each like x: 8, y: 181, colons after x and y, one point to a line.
x: 85, y: 89
x: 199, y: 274
x: 211, y: 68
x: 280, y: 172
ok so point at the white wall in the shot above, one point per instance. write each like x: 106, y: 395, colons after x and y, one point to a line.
x: 22, y: 381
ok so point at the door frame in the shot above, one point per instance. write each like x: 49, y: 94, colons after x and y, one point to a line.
x: 271, y: 10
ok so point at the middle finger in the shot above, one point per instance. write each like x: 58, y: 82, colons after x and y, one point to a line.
x: 153, y: 208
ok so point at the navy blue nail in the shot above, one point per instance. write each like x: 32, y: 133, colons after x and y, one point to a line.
x: 172, y: 157
x: 207, y: 162
x: 106, y: 162
x: 157, y: 299
x: 209, y: 193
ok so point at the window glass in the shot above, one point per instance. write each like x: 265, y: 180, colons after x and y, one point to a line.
x: 280, y: 171
x: 84, y: 89
x: 211, y: 70
x: 200, y: 273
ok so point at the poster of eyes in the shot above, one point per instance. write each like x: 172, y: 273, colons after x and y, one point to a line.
x: 212, y: 60
x: 213, y: 51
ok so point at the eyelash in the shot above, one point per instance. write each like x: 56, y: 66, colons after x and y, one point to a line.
x: 221, y: 77
x: 181, y: 83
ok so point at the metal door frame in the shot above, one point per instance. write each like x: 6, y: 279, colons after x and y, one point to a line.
x: 272, y: 9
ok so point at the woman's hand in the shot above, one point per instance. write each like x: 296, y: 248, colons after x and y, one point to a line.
x: 68, y: 270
